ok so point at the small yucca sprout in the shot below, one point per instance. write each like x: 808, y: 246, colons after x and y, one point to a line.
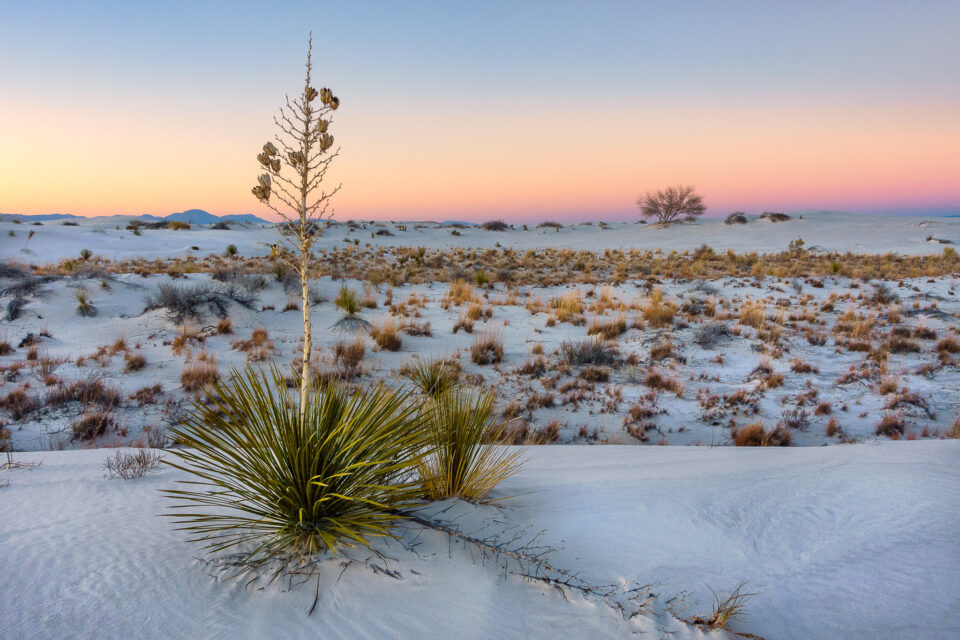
x: 457, y: 463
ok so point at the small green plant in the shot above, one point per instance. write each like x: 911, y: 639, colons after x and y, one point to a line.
x: 230, y: 251
x: 481, y: 278
x: 294, y: 487
x: 457, y: 463
x: 348, y: 301
x: 433, y: 377
x: 84, y: 307
x: 85, y: 254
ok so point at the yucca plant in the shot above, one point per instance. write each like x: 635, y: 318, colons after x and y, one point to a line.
x: 457, y: 464
x: 273, y: 487
x: 348, y: 300
x: 433, y: 377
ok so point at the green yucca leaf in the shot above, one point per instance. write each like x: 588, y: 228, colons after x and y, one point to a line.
x: 273, y: 487
x: 457, y: 463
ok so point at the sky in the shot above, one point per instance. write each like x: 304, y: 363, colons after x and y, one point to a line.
x: 516, y: 110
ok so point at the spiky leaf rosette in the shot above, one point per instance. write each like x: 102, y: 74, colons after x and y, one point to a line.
x: 274, y: 488
x: 433, y: 378
x: 457, y: 463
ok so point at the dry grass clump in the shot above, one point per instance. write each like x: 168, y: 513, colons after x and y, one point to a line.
x: 134, y: 361
x: 89, y: 391
x: 593, y: 350
x: 755, y: 435
x: 20, y: 403
x: 656, y: 380
x: 348, y: 356
x: 92, y: 425
x: 661, y: 350
x: 386, y: 333
x: 128, y: 466
x: 84, y: 307
x: 5, y: 348
x: 258, y: 348
x: 753, y: 314
x: 892, y: 426
x: 463, y: 323
x: 733, y: 606
x: 224, y: 326
x: 954, y: 431
x: 487, y: 347
x: 201, y: 374
x: 186, y: 334
x: 568, y: 307
x: 460, y: 292
x: 948, y: 345
x: 609, y: 330
x: 657, y: 312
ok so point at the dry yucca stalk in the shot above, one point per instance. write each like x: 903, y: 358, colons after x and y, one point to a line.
x: 293, y: 187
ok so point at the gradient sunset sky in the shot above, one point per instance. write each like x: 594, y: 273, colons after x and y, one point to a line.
x: 472, y: 111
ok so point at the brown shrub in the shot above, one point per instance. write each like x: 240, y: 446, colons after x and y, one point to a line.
x: 487, y: 348
x: 755, y: 435
x: 92, y: 425
x: 199, y: 375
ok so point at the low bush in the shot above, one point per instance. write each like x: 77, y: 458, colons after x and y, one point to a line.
x: 594, y: 350
x: 127, y: 465
x: 92, y: 424
x: 487, y: 348
x: 184, y: 302
x: 755, y: 435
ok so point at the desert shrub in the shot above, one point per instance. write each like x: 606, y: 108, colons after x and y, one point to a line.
x: 487, y: 348
x: 252, y: 282
x: 386, y: 333
x: 230, y: 251
x: 433, y: 377
x: 176, y: 225
x: 184, y: 302
x: 294, y: 488
x: 15, y: 308
x: 550, y: 225
x: 457, y: 463
x: 5, y: 348
x: 708, y: 335
x: 753, y: 314
x: 668, y: 204
x: 774, y: 216
x: 755, y: 435
x: 127, y: 465
x: 661, y: 350
x: 224, y: 326
x: 495, y: 225
x: 594, y: 350
x: 737, y: 217
x: 92, y: 425
x: 568, y: 307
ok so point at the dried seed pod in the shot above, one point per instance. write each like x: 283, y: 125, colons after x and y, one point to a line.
x: 262, y: 193
x: 264, y: 180
x: 264, y: 159
x: 310, y: 94
x: 322, y: 125
x: 334, y: 102
x: 275, y: 165
x: 296, y: 157
x: 269, y: 149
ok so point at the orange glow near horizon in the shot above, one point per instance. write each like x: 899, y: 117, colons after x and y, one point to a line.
x: 476, y: 162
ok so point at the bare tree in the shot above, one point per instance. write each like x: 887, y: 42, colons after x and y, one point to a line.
x: 667, y: 204
x: 293, y: 188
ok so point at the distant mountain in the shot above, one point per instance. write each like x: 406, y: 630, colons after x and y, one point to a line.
x: 43, y: 216
x: 191, y: 216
